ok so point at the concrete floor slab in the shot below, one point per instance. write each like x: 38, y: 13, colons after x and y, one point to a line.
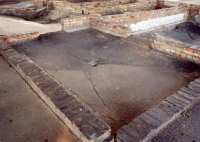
x: 126, y: 81
x: 23, y: 116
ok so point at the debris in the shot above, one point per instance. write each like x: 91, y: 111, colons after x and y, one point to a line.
x: 96, y: 62
x: 11, y: 40
x: 26, y: 10
x: 93, y: 63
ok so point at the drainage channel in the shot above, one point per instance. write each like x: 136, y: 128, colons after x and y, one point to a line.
x: 117, y: 80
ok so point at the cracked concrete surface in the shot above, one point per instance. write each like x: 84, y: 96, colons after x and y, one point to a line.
x: 97, y: 76
x: 23, y: 116
x: 126, y: 81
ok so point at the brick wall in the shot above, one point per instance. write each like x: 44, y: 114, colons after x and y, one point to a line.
x: 75, y: 23
x: 176, y: 48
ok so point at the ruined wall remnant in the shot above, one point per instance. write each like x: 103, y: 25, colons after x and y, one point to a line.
x: 75, y: 23
x: 27, y: 10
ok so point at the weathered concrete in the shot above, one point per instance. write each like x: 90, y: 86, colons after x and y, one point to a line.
x: 103, y: 71
x: 24, y: 117
x: 79, y: 118
x: 147, y: 126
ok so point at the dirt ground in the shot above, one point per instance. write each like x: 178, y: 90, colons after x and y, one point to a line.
x: 117, y: 80
x: 23, y: 116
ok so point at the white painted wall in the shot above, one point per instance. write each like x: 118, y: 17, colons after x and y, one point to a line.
x: 151, y: 24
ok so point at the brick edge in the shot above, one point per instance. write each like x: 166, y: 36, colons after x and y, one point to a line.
x: 150, y: 123
x: 50, y: 91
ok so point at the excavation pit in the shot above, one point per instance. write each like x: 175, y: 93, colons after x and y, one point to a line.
x: 117, y: 80
x: 188, y: 33
x: 182, y: 40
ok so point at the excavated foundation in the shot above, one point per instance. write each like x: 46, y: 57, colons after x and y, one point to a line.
x: 187, y: 32
x: 117, y: 80
x: 181, y: 41
x: 101, y: 85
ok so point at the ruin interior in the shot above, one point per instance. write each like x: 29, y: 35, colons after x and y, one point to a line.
x: 103, y: 70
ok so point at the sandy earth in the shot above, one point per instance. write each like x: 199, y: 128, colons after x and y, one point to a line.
x: 13, y: 26
x: 127, y: 80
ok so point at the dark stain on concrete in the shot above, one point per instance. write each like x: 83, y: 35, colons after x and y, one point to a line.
x: 126, y: 81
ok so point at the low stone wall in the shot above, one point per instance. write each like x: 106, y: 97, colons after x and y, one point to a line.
x: 121, y: 8
x: 27, y: 10
x: 81, y: 120
x: 145, y: 127
x: 133, y: 17
x: 176, y: 48
x: 10, y: 40
x: 123, y: 25
x: 151, y: 19
x: 110, y: 28
x: 63, y: 9
x: 75, y: 23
